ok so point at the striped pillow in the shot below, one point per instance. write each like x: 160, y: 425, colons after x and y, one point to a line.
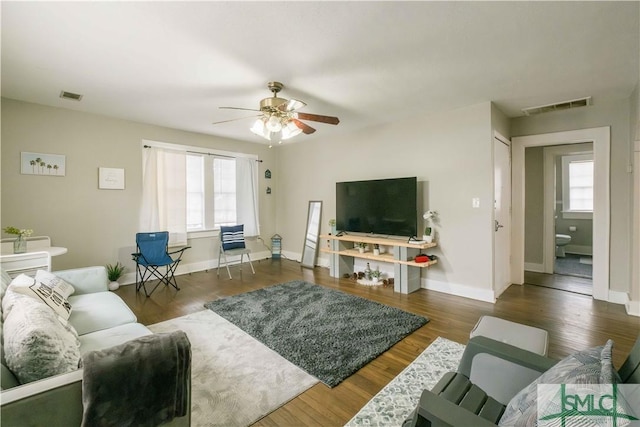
x: 232, y: 237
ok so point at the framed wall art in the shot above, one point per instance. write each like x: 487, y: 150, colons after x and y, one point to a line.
x: 111, y: 178
x: 42, y: 164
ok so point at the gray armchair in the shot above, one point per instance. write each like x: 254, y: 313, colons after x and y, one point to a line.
x: 477, y: 394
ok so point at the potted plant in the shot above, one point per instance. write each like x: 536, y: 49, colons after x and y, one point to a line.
x: 113, y: 273
x: 376, y: 249
x: 361, y: 247
x: 332, y: 224
x: 375, y: 275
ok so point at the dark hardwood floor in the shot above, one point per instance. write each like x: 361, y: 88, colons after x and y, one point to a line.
x: 579, y: 285
x: 573, y: 321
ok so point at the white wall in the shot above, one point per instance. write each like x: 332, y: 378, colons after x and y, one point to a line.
x: 450, y: 151
x: 616, y: 115
x: 97, y: 226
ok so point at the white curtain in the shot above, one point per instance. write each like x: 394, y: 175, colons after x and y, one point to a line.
x: 164, y: 193
x: 247, y: 195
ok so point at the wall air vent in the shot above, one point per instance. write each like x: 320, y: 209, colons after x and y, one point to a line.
x: 564, y: 105
x: 70, y: 95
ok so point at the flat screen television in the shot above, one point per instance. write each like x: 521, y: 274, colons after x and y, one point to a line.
x: 381, y: 206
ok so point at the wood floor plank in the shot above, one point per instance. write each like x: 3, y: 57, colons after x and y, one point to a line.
x: 573, y: 321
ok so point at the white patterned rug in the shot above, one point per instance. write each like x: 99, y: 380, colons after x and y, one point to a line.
x: 395, y: 402
x: 235, y: 379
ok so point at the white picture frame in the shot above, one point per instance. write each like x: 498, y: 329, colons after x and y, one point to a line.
x: 42, y: 164
x: 111, y: 179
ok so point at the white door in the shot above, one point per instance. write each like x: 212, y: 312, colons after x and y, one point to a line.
x: 502, y: 216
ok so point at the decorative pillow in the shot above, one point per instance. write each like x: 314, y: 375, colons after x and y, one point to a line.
x: 52, y: 292
x: 232, y: 237
x: 62, y: 287
x: 36, y: 344
x: 592, y: 366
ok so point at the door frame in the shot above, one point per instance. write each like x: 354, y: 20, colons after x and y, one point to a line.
x: 498, y: 289
x: 601, y: 138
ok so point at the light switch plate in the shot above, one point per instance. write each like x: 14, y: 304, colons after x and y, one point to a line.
x: 475, y: 202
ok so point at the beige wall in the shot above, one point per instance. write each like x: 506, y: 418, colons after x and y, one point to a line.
x: 617, y: 115
x: 97, y: 226
x: 533, y: 206
x: 451, y: 152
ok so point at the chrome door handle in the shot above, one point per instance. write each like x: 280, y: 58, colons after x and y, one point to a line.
x: 498, y: 225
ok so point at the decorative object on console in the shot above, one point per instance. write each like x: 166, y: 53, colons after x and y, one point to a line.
x: 332, y: 224
x: 20, y: 244
x: 429, y: 216
x: 361, y: 247
x: 376, y: 249
x: 113, y: 273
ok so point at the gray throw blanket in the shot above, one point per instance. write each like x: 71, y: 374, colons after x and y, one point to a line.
x: 143, y: 382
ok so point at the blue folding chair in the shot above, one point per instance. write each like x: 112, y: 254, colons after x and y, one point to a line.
x: 153, y: 254
x: 232, y: 243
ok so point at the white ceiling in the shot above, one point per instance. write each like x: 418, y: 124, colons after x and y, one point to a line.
x: 174, y: 63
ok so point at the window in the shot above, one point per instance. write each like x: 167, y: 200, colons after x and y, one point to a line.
x: 211, y: 192
x: 190, y: 189
x: 577, y: 186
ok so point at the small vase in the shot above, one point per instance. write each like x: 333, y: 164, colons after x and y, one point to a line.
x: 376, y: 252
x: 428, y: 239
x: 114, y: 285
x: 361, y: 250
x: 19, y: 245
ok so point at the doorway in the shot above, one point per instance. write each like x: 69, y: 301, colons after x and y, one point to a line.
x: 600, y: 137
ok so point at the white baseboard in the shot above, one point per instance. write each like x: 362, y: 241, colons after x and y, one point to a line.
x: 183, y: 268
x: 618, y: 297
x: 579, y: 250
x: 535, y: 267
x: 486, y: 295
x: 633, y: 307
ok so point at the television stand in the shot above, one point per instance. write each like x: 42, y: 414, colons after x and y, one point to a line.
x: 405, y: 269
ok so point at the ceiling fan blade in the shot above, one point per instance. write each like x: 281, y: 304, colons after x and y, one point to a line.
x: 306, y: 129
x: 233, y: 120
x: 318, y: 118
x: 239, y: 108
x: 291, y: 105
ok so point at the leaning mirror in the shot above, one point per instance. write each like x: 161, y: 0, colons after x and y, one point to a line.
x: 310, y: 248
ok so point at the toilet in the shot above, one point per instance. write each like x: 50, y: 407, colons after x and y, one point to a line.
x: 562, y: 240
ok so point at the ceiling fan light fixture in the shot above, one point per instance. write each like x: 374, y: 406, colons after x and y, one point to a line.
x: 274, y: 124
x: 260, y: 129
x: 290, y: 130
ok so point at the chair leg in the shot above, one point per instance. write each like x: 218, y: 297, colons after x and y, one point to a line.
x: 226, y: 264
x: 251, y: 264
x: 218, y: 272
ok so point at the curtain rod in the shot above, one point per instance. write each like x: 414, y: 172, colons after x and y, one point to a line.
x: 209, y: 154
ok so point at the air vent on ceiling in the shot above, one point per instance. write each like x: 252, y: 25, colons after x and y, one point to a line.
x: 70, y: 95
x: 564, y: 105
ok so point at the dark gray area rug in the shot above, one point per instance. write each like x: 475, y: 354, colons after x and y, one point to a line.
x: 327, y: 333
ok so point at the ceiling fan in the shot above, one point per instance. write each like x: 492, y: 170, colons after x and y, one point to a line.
x: 280, y: 119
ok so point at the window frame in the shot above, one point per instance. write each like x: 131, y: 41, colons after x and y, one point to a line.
x: 568, y: 213
x: 208, y: 155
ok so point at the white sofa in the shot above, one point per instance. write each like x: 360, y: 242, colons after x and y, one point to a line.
x: 102, y: 320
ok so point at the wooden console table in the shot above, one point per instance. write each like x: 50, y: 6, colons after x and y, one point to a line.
x: 406, y: 270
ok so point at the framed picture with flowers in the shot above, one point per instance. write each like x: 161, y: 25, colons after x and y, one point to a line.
x: 42, y: 164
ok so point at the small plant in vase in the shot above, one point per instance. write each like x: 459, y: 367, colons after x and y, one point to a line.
x: 361, y: 247
x: 375, y: 275
x: 20, y: 244
x: 429, y: 216
x: 332, y: 224
x: 376, y: 249
x: 114, y: 272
